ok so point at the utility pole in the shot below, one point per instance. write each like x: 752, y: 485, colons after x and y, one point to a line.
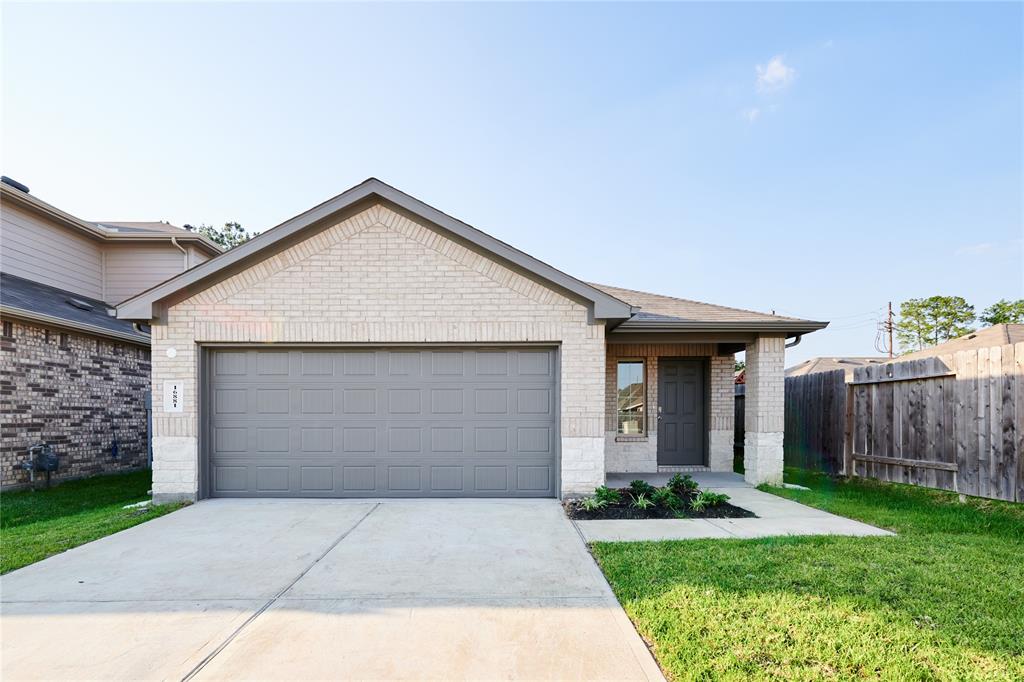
x: 888, y: 328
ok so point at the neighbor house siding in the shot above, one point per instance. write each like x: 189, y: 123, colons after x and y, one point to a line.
x: 380, y: 278
x: 35, y: 248
x: 131, y: 269
x: 629, y: 454
x: 196, y: 256
x: 79, y: 396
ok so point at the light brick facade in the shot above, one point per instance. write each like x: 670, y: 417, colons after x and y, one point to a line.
x: 639, y: 454
x: 77, y: 392
x: 379, y: 278
x: 765, y: 406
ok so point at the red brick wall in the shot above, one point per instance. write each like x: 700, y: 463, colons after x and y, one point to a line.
x: 76, y: 392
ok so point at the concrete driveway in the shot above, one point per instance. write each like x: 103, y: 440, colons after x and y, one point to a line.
x: 423, y: 589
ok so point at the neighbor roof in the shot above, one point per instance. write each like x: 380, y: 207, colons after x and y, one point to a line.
x: 997, y: 335
x: 37, y: 302
x: 110, y: 231
x: 143, y: 306
x: 158, y: 227
x: 657, y: 312
x: 815, y: 365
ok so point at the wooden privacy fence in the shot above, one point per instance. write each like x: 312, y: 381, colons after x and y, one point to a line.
x: 954, y: 422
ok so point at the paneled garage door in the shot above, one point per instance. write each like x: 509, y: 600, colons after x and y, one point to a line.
x: 388, y: 423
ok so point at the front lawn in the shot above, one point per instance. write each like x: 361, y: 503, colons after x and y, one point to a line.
x: 35, y: 525
x: 943, y: 600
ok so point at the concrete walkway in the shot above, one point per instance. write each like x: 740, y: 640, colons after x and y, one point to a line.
x: 236, y: 589
x: 776, y: 516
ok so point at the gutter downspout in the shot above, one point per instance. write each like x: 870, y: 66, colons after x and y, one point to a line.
x: 174, y: 240
x: 795, y: 341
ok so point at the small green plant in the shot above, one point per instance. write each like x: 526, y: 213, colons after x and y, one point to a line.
x: 682, y: 484
x: 664, y: 497
x: 641, y: 501
x: 592, y: 504
x: 608, y: 495
x: 707, y: 499
x: 640, y: 487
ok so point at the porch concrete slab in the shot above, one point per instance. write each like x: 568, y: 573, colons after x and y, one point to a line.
x: 705, y: 479
x: 614, y: 530
x: 443, y: 639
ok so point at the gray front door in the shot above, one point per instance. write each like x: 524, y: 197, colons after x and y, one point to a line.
x: 394, y: 422
x: 680, y: 412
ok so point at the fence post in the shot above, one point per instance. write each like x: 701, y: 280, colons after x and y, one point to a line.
x: 848, y: 469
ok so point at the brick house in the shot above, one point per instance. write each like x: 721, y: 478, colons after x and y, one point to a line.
x: 71, y: 374
x: 374, y: 346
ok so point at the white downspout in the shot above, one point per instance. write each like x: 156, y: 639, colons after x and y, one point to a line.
x: 174, y: 240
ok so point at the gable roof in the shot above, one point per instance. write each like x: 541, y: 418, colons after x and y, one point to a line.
x: 815, y: 365
x: 25, y: 299
x: 143, y: 306
x: 996, y: 335
x: 657, y: 312
x: 108, y: 231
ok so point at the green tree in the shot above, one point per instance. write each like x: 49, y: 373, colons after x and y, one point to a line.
x: 929, y: 321
x: 1004, y: 312
x: 229, y: 236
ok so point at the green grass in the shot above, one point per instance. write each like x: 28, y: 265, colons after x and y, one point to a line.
x: 41, y: 523
x: 943, y: 600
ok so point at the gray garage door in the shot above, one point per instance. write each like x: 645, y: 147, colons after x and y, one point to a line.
x: 388, y: 423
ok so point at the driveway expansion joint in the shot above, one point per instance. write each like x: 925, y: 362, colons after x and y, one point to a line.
x: 270, y: 602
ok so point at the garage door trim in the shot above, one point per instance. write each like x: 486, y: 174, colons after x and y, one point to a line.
x: 205, y: 387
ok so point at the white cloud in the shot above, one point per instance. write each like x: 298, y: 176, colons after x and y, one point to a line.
x: 828, y: 43
x: 979, y: 249
x: 775, y: 75
x: 751, y: 114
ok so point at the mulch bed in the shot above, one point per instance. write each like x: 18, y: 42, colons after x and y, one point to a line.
x: 623, y: 510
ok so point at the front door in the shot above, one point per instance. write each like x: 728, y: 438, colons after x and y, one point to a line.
x: 681, y: 412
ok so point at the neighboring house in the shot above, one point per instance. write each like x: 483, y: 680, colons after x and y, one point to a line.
x: 374, y: 346
x: 996, y: 335
x: 848, y: 364
x: 71, y: 374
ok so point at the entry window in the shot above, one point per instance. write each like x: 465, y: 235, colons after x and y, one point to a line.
x: 630, y: 402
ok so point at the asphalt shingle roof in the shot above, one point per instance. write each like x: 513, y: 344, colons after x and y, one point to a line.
x: 33, y: 298
x: 659, y: 308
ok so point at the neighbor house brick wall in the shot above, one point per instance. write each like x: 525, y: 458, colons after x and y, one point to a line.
x: 379, y: 278
x: 765, y: 407
x: 640, y: 453
x: 76, y: 392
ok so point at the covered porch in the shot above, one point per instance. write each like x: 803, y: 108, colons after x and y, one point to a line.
x: 669, y: 387
x: 670, y: 405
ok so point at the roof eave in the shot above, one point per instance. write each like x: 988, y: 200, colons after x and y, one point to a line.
x: 73, y: 325
x: 792, y: 327
x: 66, y: 219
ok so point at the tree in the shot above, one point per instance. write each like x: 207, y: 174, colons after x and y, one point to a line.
x: 929, y: 321
x: 229, y: 236
x: 1004, y: 312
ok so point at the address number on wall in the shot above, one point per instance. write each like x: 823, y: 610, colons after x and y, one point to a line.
x: 174, y: 396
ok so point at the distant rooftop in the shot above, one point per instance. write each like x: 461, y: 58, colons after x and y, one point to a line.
x: 997, y: 335
x: 830, y: 364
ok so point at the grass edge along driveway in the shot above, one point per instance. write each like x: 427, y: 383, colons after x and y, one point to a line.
x: 943, y: 600
x: 37, y: 524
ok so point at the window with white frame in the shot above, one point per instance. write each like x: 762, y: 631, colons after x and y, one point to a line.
x: 630, y: 401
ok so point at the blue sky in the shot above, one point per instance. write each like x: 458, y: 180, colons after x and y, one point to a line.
x: 815, y: 159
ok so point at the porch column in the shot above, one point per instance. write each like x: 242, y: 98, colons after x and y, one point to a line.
x: 721, y: 425
x: 765, y: 379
